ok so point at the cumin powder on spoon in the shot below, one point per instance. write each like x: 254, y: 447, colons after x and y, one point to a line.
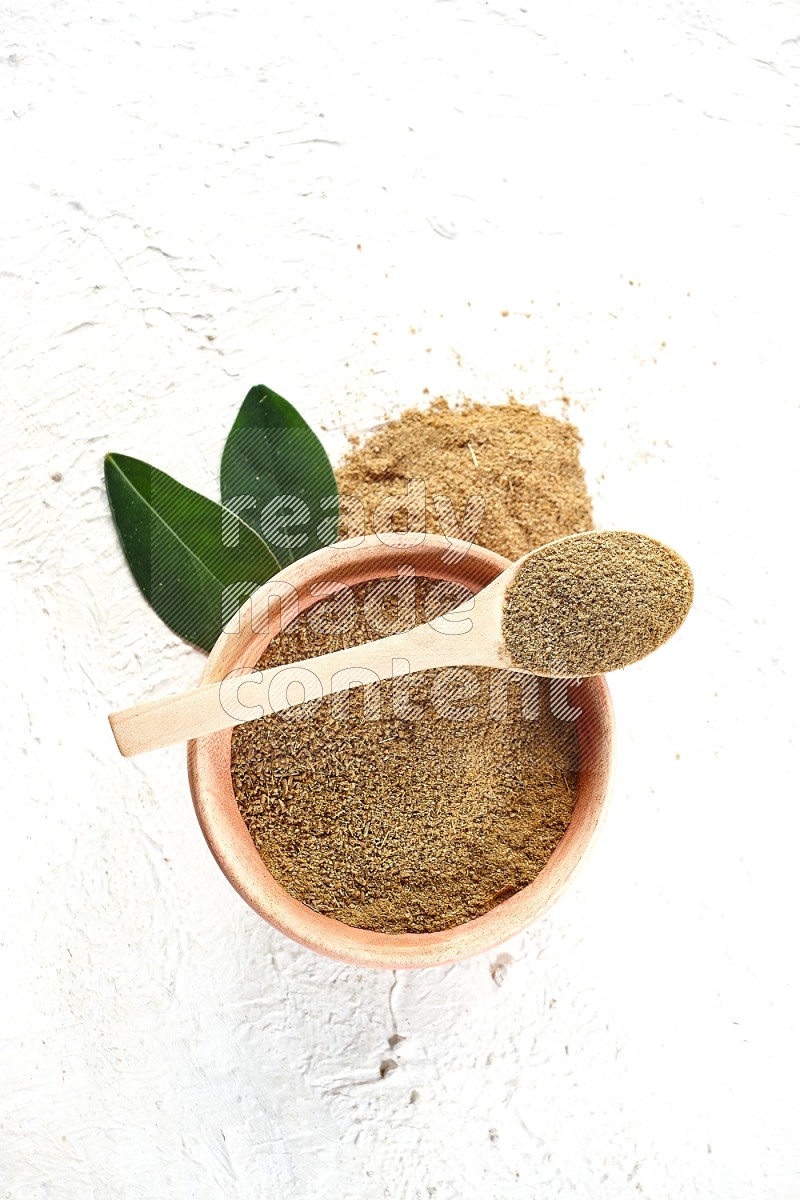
x: 585, y: 607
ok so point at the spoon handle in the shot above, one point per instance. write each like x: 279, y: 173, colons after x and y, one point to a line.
x: 244, y: 696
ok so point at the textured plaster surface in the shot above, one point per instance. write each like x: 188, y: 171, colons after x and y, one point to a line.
x: 355, y: 203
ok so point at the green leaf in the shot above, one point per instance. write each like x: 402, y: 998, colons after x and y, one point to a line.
x: 195, y: 562
x: 276, y: 475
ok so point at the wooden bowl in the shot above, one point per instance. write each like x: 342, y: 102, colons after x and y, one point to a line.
x: 225, y: 830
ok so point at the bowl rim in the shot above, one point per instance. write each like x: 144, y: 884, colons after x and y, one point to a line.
x: 208, y: 761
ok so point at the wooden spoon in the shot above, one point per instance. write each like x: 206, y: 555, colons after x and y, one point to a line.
x: 579, y: 606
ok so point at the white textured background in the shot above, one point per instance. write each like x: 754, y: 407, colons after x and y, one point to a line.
x: 185, y: 190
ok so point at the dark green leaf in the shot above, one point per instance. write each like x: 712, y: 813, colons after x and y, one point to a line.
x: 195, y: 562
x: 276, y: 475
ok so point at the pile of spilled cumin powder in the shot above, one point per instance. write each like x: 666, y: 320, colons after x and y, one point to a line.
x: 524, y: 464
x: 421, y: 821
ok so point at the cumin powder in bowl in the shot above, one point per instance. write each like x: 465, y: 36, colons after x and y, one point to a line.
x: 426, y: 818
